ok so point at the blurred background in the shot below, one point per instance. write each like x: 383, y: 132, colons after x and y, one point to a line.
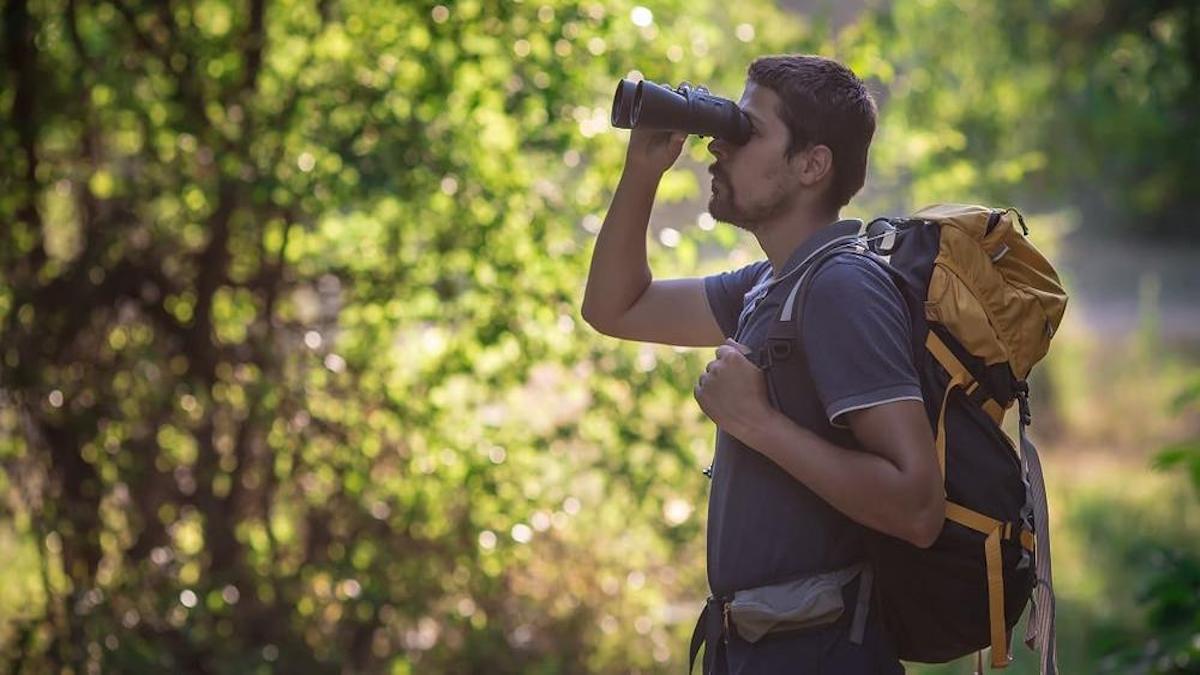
x: 292, y: 372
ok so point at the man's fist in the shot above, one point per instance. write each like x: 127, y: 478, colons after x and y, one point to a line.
x: 653, y: 151
x: 732, y: 391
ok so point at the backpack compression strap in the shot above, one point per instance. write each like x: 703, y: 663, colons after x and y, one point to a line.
x: 959, y: 371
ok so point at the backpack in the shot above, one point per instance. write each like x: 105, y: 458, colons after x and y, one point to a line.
x: 984, y: 304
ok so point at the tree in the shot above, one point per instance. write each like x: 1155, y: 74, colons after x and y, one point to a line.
x: 292, y: 372
x: 1078, y: 105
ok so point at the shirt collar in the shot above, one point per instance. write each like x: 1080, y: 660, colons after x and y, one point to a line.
x: 843, y: 228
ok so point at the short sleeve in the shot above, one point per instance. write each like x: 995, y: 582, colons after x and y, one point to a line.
x: 856, y: 333
x: 727, y: 291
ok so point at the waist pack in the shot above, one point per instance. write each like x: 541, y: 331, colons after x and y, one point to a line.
x: 802, y: 603
x: 805, y: 602
x: 984, y: 304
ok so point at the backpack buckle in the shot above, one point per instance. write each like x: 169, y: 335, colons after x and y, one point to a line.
x: 1022, y: 389
x: 778, y: 349
x: 881, y: 236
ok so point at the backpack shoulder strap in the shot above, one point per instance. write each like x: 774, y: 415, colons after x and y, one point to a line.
x: 800, y: 289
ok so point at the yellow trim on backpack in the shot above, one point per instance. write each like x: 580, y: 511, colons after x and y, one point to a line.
x: 1029, y: 541
x: 940, y: 441
x: 972, y: 519
x: 950, y: 362
x: 995, y: 575
x: 994, y: 411
x: 994, y: 529
x: 985, y: 524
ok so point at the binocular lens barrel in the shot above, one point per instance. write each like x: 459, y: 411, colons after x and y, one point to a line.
x: 646, y: 105
x: 622, y: 108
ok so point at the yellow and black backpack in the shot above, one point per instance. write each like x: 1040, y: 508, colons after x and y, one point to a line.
x: 984, y: 305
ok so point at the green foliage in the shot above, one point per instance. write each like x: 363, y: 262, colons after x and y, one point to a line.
x: 1171, y: 593
x: 1037, y: 103
x: 293, y: 373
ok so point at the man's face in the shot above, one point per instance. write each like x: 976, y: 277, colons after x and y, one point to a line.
x: 753, y: 182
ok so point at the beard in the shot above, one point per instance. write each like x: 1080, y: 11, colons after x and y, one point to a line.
x: 721, y: 203
x: 723, y: 206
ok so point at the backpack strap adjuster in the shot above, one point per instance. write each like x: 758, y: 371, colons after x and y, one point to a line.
x: 778, y: 349
x: 1022, y: 389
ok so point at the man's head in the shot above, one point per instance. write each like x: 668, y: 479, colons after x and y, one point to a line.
x: 812, y: 121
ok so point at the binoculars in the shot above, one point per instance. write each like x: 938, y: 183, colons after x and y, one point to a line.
x: 646, y: 105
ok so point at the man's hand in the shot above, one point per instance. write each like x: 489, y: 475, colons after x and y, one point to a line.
x: 732, y: 391
x: 652, y: 151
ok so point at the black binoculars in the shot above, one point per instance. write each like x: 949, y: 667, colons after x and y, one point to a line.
x: 646, y: 105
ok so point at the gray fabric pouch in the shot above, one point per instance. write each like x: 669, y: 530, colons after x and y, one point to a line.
x: 801, y: 603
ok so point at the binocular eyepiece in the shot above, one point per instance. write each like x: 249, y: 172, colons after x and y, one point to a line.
x: 646, y: 105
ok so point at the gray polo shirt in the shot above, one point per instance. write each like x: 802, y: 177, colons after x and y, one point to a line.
x: 854, y: 336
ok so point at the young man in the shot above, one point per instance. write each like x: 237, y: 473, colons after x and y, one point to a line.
x: 788, y: 499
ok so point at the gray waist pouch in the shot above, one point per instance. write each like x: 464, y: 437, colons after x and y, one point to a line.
x: 801, y: 603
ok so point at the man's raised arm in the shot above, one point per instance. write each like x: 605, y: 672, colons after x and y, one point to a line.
x: 622, y: 299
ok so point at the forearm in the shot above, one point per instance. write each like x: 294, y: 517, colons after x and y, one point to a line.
x: 619, y: 271
x: 866, y: 487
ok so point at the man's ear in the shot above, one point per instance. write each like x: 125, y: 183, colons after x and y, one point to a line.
x: 814, y: 164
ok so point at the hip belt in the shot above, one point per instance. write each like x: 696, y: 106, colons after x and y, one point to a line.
x: 805, y: 602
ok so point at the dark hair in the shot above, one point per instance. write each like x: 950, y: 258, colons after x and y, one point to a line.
x: 824, y: 103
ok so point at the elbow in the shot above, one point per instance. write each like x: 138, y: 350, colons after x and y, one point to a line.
x: 926, y: 527
x: 925, y: 534
x: 587, y: 312
x: 598, y: 324
x: 606, y: 321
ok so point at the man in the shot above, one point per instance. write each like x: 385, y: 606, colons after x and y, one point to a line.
x: 788, y: 499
